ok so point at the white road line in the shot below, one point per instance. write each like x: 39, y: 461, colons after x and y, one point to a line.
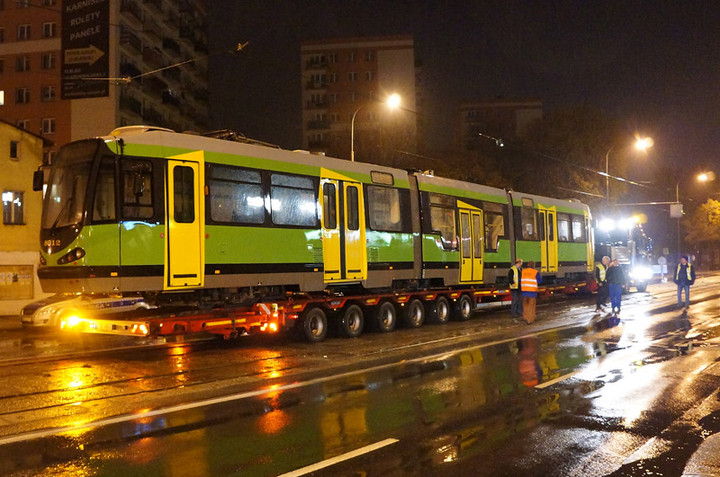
x: 556, y: 380
x: 337, y: 459
x: 28, y: 436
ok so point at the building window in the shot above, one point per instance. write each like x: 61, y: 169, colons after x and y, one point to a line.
x: 48, y: 61
x: 22, y: 95
x: 2, y: 98
x: 332, y: 77
x: 12, y: 207
x: 2, y: 65
x: 48, y: 93
x: 2, y: 34
x: 22, y: 63
x: 49, y: 29
x: 351, y: 57
x: 23, y: 124
x: 48, y: 125
x: 48, y: 3
x: 334, y: 117
x: 368, y: 76
x: 369, y: 56
x: 14, y: 150
x: 22, y: 3
x: 23, y: 32
x: 333, y: 98
x: 352, y: 76
x: 332, y: 57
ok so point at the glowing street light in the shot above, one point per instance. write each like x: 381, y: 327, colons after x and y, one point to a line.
x: 641, y: 144
x: 392, y: 102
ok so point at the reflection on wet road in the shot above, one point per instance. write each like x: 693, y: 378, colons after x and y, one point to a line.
x: 608, y: 395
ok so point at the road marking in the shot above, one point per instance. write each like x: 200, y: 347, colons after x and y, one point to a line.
x: 556, y: 380
x: 340, y: 458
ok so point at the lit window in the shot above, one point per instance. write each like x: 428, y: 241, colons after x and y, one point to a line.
x: 12, y: 208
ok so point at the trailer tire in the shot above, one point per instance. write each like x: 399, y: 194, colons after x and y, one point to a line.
x: 384, y: 317
x: 414, y: 314
x: 641, y: 287
x: 462, y: 311
x: 350, y: 323
x: 438, y: 311
x: 313, y: 325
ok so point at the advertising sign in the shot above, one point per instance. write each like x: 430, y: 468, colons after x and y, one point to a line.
x: 85, y: 49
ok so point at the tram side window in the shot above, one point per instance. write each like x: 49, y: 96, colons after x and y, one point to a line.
x: 528, y: 224
x: 184, y: 197
x: 494, y: 226
x: 578, y: 228
x: 137, y: 189
x: 104, y: 207
x: 442, y: 221
x: 329, y: 206
x: 384, y: 209
x: 563, y: 221
x: 293, y: 200
x: 353, y: 219
x: 236, y: 195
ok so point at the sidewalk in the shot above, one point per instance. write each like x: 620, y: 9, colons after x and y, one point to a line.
x: 10, y: 322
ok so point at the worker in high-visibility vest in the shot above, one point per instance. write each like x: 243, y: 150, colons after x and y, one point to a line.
x: 516, y: 306
x: 602, y: 285
x: 684, y: 278
x: 529, y: 283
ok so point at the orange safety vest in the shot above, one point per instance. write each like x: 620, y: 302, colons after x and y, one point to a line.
x: 529, y: 280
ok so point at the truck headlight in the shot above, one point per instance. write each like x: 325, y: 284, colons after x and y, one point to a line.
x: 641, y: 273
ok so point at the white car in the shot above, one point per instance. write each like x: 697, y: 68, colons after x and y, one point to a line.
x: 49, y: 312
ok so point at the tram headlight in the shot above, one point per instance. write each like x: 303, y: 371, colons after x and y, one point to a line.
x: 71, y: 256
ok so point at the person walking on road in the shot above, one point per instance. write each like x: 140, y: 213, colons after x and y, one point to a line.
x: 514, y: 276
x: 529, y: 283
x: 616, y: 282
x: 684, y: 279
x: 601, y: 280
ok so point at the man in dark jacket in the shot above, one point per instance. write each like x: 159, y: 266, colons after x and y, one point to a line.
x: 684, y: 279
x: 616, y: 281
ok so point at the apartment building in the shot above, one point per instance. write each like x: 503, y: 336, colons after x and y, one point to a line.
x: 346, y: 78
x: 21, y: 152
x: 480, y: 121
x: 71, y: 69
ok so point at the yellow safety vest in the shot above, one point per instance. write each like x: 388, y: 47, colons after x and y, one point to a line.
x: 602, y: 269
x: 529, y: 280
x: 687, y: 270
x: 515, y: 283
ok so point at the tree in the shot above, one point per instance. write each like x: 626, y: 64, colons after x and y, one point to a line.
x: 703, y: 224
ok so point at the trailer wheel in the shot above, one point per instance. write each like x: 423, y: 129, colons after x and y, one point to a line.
x: 642, y: 287
x: 385, y: 317
x: 463, y: 308
x: 438, y: 311
x: 350, y: 323
x: 414, y: 314
x: 314, y: 325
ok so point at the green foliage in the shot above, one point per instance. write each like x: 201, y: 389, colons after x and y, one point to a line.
x: 703, y: 224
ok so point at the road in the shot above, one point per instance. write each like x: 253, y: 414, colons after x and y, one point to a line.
x: 573, y: 394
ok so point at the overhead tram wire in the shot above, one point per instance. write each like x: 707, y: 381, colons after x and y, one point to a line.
x: 128, y: 79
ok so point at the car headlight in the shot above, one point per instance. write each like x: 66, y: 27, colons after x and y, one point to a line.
x: 641, y: 273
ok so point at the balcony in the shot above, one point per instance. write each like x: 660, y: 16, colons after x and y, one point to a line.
x: 172, y: 74
x: 319, y: 124
x: 316, y: 85
x: 155, y: 5
x: 153, y: 58
x: 171, y: 98
x: 129, y: 103
x: 152, y: 30
x: 131, y: 9
x: 129, y: 69
x: 154, y: 85
x: 171, y: 45
x: 315, y: 64
x: 152, y: 117
x: 130, y: 40
x: 317, y: 104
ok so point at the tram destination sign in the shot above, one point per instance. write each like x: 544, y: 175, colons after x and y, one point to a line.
x: 85, y: 48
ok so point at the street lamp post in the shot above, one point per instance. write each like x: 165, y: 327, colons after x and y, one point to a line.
x: 641, y: 144
x: 392, y: 102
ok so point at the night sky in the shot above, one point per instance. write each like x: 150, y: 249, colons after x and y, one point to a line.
x: 653, y: 66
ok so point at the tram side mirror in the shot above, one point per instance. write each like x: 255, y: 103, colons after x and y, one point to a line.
x: 38, y: 180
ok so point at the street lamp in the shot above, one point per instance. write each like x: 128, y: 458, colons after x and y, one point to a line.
x: 702, y: 177
x: 641, y: 144
x: 392, y: 102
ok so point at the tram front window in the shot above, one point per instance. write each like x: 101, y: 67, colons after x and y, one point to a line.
x: 65, y: 196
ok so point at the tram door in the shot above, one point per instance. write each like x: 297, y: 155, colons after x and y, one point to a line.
x: 184, y: 237
x: 343, y: 231
x: 548, y: 239
x: 472, y: 245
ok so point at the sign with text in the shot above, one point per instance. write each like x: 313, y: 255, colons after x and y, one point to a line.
x: 85, y: 49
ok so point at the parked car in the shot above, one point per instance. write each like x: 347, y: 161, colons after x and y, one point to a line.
x: 49, y: 312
